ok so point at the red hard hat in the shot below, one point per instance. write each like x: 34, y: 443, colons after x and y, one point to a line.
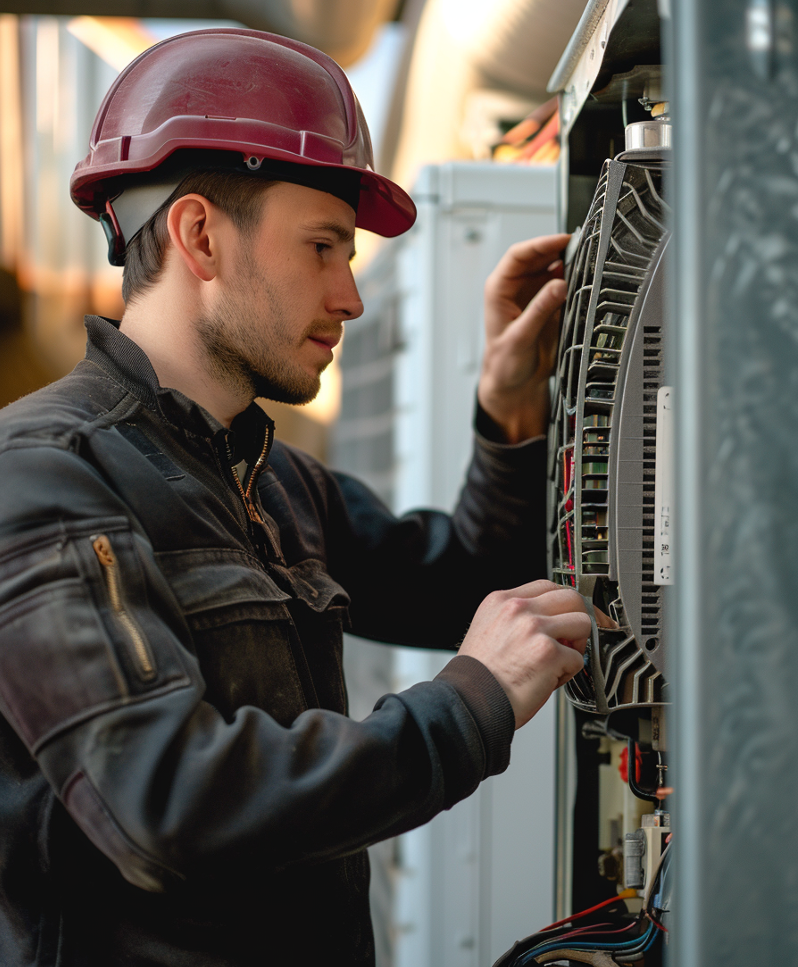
x: 256, y: 94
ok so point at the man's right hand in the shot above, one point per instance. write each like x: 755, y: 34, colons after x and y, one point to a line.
x: 532, y: 639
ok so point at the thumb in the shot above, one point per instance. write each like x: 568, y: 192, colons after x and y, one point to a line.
x: 527, y: 327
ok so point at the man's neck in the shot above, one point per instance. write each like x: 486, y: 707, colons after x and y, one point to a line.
x: 165, y: 331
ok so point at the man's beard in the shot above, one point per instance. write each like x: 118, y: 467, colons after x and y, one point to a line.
x: 250, y: 354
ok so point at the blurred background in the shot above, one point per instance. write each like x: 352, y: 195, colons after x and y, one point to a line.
x: 455, y: 95
x: 438, y: 81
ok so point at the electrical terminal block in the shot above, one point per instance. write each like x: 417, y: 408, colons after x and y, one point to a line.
x: 643, y: 850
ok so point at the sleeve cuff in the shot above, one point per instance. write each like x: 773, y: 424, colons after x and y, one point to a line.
x: 489, y: 706
x: 490, y: 431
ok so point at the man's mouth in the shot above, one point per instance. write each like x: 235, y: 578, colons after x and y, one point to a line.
x: 330, y: 340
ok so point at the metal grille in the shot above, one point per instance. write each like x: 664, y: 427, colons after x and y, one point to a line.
x: 651, y: 594
x: 602, y: 475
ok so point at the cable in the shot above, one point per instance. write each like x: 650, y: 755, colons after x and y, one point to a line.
x: 637, y: 945
x: 586, y: 937
x: 632, y: 776
x: 592, y: 937
x: 653, y: 940
x: 659, y: 870
x: 656, y: 922
x: 597, y: 928
x: 623, y: 895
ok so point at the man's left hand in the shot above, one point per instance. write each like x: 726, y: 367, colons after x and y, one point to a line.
x: 523, y: 297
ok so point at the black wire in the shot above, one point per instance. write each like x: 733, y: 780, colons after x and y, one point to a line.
x: 632, y: 778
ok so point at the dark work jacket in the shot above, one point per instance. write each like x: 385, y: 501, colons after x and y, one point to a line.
x: 179, y: 782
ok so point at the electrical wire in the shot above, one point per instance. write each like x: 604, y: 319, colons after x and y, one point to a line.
x: 598, y: 929
x: 656, y: 922
x: 564, y: 939
x: 592, y: 937
x: 628, y: 947
x: 631, y: 777
x: 659, y: 870
x: 654, y: 937
x: 623, y: 895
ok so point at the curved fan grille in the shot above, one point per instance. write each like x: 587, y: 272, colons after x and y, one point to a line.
x: 598, y: 512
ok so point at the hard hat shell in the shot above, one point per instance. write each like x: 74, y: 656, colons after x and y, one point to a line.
x: 228, y: 89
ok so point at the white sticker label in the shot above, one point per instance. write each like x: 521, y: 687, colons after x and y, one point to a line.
x: 663, y: 488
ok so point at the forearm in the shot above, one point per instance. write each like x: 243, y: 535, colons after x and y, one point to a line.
x: 169, y: 790
x: 501, y: 513
x: 418, y: 579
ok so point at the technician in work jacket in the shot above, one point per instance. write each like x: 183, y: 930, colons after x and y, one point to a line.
x: 173, y: 703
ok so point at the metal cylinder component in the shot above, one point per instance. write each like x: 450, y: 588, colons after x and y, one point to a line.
x: 644, y: 135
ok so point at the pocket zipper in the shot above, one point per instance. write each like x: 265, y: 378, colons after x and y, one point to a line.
x: 107, y: 558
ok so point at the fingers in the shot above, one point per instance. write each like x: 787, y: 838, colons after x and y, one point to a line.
x: 604, y: 620
x: 560, y: 613
x: 531, y: 256
x: 561, y: 601
x: 533, y: 589
x: 572, y: 663
x: 551, y: 598
x: 538, y: 313
x: 557, y: 612
x: 519, y: 325
x: 571, y: 672
x: 523, y: 270
x: 572, y: 627
x: 531, y: 638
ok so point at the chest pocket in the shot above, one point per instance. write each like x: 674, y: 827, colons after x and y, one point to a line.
x: 242, y: 631
x: 261, y: 640
x: 320, y: 611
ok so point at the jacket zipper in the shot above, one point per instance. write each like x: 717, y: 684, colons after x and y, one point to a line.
x: 107, y: 558
x: 252, y: 476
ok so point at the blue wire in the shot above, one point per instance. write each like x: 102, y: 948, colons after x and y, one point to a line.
x: 641, y: 944
x: 650, y: 944
x: 645, y: 942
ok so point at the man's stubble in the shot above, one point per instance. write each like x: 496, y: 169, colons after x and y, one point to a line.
x: 247, y: 341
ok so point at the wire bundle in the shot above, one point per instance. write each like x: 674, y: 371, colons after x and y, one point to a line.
x: 628, y: 948
x: 625, y: 943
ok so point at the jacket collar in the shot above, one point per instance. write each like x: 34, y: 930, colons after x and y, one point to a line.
x: 127, y: 363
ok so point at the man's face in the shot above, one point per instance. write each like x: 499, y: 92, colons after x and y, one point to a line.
x: 286, y: 291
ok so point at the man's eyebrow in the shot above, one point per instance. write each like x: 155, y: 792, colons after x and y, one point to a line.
x: 344, y: 234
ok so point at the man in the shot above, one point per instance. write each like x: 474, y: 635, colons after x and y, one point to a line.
x: 179, y: 782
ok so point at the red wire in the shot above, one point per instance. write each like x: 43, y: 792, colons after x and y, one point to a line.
x: 656, y: 922
x: 593, y: 928
x: 626, y: 894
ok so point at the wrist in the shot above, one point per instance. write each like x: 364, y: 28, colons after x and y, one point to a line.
x: 518, y: 415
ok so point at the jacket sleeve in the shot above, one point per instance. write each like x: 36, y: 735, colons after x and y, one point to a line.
x: 417, y: 579
x: 98, y: 678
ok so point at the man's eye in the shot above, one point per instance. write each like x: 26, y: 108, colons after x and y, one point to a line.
x: 321, y: 247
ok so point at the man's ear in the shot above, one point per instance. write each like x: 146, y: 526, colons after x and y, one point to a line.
x: 194, y: 225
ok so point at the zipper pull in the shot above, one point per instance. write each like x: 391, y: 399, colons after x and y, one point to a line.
x: 139, y: 649
x: 104, y: 551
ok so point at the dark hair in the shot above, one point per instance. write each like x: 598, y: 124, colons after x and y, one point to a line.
x: 236, y: 193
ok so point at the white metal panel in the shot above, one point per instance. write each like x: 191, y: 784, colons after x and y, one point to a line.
x: 480, y: 876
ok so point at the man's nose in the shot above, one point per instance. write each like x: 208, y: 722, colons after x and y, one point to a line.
x: 345, y: 300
